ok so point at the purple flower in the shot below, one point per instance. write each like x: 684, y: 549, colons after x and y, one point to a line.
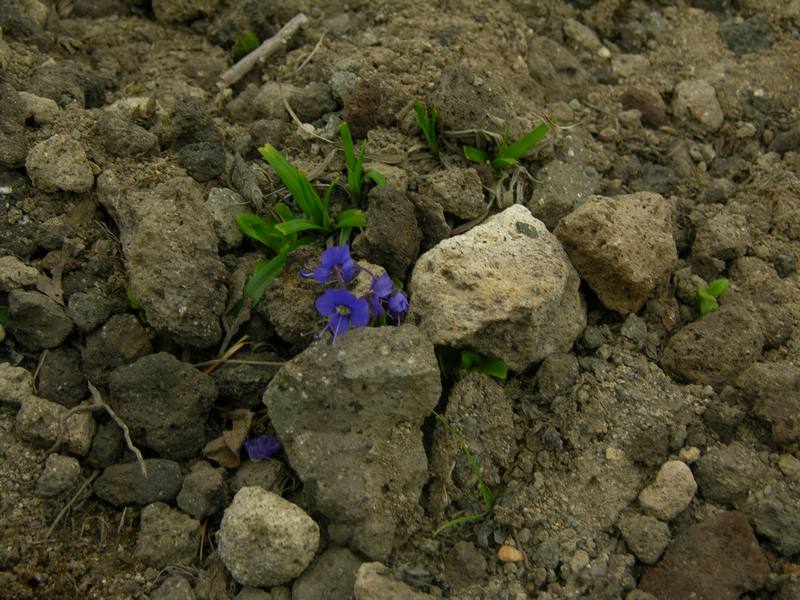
x: 398, y: 304
x: 336, y: 263
x: 381, y: 289
x: 262, y: 447
x: 343, y: 310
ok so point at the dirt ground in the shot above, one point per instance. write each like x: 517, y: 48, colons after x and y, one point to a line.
x: 123, y: 164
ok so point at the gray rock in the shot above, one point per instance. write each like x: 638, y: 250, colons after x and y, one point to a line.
x: 753, y: 33
x: 784, y: 262
x: 671, y: 492
x: 203, y: 491
x: 15, y: 274
x: 694, y: 102
x: 776, y: 516
x: 392, y: 236
x: 16, y: 384
x: 557, y: 374
x: 60, y: 474
x: 374, y: 101
x: 647, y: 537
x: 39, y: 421
x: 121, y: 341
x: 61, y: 379
x: 107, y: 446
x: 242, y: 385
x: 771, y: 390
x: 556, y: 69
x: 349, y: 418
x: 726, y: 474
x: 203, y: 161
x: 124, y: 484
x: 166, y: 536
x: 14, y: 144
x: 121, y: 137
x: 67, y: 81
x: 725, y: 236
x: 465, y: 565
x: 266, y: 102
x: 621, y: 246
x: 561, y: 187
x: 177, y: 11
x: 59, y: 163
x: 430, y: 218
x: 188, y: 122
x: 37, y: 321
x: 169, y: 226
x: 787, y: 141
x: 164, y: 402
x: 649, y: 103
x: 505, y: 289
x: 375, y: 582
x: 716, y: 348
x: 88, y: 309
x: 458, y: 191
x: 270, y: 474
x: 264, y: 540
x: 330, y: 577
x: 225, y: 205
x: 251, y: 593
x: 174, y: 587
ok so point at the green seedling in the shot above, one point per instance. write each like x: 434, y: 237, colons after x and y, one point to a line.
x: 3, y: 314
x: 478, y: 363
x: 507, y: 154
x: 426, y: 121
x: 244, y: 45
x: 486, y: 494
x: 281, y: 233
x: 707, y: 295
x: 136, y: 306
x: 355, y: 166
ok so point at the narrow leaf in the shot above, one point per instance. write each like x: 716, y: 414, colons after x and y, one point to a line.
x: 284, y: 212
x: 255, y: 227
x: 376, y: 178
x: 475, y: 155
x: 478, y: 363
x: 288, y: 174
x: 311, y: 205
x: 524, y: 144
x: 348, y: 147
x: 263, y: 273
x: 352, y: 217
x: 296, y: 226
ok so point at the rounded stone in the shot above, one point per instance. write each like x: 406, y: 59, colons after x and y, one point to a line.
x: 59, y: 163
x: 265, y: 540
x: 671, y: 492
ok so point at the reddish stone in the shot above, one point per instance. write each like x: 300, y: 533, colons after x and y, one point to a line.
x: 718, y: 559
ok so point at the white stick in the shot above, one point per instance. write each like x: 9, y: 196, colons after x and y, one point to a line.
x: 269, y: 47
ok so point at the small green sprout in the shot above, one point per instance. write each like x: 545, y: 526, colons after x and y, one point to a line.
x: 426, y: 121
x: 3, y: 314
x: 486, y: 494
x: 478, y: 363
x: 280, y: 234
x: 707, y: 295
x: 355, y: 166
x: 507, y: 154
x: 136, y: 306
x: 245, y: 44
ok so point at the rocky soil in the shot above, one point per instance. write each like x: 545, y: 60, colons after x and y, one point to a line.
x: 636, y: 450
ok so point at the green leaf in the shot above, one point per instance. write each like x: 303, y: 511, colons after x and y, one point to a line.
x: 311, y: 205
x: 265, y: 232
x: 475, y: 155
x: 426, y: 121
x: 296, y: 226
x: 498, y: 164
x: 288, y: 174
x: 347, y: 145
x: 344, y: 235
x: 708, y: 306
x: 3, y: 314
x: 703, y: 293
x: 524, y: 144
x: 717, y: 287
x: 376, y: 178
x: 478, y: 363
x: 263, y: 273
x: 461, y: 521
x: 352, y: 217
x: 283, y: 211
x: 245, y: 44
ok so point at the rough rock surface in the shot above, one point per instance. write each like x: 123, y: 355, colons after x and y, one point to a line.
x: 164, y: 402
x: 647, y: 537
x: 375, y: 582
x: 562, y: 186
x: 124, y: 484
x: 37, y: 321
x: 265, y: 540
x: 771, y: 389
x: 458, y: 191
x: 714, y: 349
x: 59, y: 163
x: 16, y: 384
x: 166, y: 536
x: 671, y: 492
x: 726, y: 474
x: 183, y: 10
x: 719, y: 557
x: 15, y: 274
x: 505, y: 288
x: 349, y: 418
x: 39, y: 422
x: 119, y: 342
x: 694, y: 102
x: 203, y: 491
x: 60, y: 474
x: 169, y: 226
x: 330, y: 577
x: 621, y: 246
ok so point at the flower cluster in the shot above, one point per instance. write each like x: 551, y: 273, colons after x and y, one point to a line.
x: 341, y: 307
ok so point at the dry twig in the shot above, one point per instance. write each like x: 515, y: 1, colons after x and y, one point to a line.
x: 268, y: 48
x: 72, y: 501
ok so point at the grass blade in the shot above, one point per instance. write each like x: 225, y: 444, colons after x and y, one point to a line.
x: 352, y: 217
x: 475, y: 155
x: 524, y: 144
x: 296, y: 226
x: 265, y: 232
x: 263, y: 273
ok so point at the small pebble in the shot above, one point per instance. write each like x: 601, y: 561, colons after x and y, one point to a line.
x: 671, y: 492
x: 689, y: 455
x: 510, y: 554
x: 789, y: 466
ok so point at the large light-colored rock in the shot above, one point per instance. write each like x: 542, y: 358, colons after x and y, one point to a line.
x: 265, y: 540
x: 505, y: 288
x: 15, y: 274
x: 16, y: 384
x: 59, y: 163
x: 622, y: 246
x: 694, y: 102
x: 39, y: 421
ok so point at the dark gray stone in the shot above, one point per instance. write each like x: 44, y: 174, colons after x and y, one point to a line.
x: 37, y: 321
x: 61, y: 379
x: 349, y: 418
x: 392, y: 237
x: 785, y: 263
x: 465, y: 565
x: 270, y: 474
x: 772, y: 392
x: 164, y: 402
x: 557, y: 374
x: 203, y: 161
x: 561, y: 187
x: 754, y: 33
x: 59, y: 475
x: 725, y: 474
x: 88, y: 309
x: 121, y: 341
x: 203, y: 491
x: 166, y: 536
x: 124, y: 484
x: 189, y: 122
x: 647, y: 537
x: 174, y: 587
x: 241, y: 385
x: 776, y: 516
x: 123, y: 138
x: 647, y: 102
x: 787, y: 141
x: 330, y: 577
x: 107, y: 446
